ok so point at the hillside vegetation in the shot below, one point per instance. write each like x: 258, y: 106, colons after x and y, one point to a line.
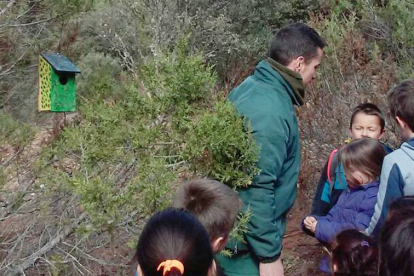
x: 76, y: 189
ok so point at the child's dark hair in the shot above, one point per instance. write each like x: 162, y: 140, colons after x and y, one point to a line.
x: 403, y: 207
x: 176, y: 235
x: 213, y: 203
x: 368, y: 109
x: 354, y: 254
x: 364, y: 154
x: 396, y: 243
x: 401, y: 102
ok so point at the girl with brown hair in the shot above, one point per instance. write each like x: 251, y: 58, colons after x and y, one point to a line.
x: 362, y: 161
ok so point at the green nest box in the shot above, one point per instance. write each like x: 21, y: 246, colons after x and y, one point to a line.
x: 57, y: 87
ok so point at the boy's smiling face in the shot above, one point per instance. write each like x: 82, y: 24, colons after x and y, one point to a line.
x: 365, y: 125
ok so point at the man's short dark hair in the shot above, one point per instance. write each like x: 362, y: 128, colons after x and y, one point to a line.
x: 401, y: 102
x: 368, y: 109
x: 213, y: 203
x: 293, y: 41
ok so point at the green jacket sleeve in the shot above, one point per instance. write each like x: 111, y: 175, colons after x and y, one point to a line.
x: 264, y: 237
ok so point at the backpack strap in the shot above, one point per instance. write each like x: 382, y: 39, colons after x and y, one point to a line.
x: 328, y: 171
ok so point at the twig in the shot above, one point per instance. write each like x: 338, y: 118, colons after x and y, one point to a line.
x: 293, y: 234
x: 175, y: 164
x: 89, y: 257
x: 9, y: 5
x: 8, y: 160
x: 21, y: 191
x: 45, y: 249
x: 20, y: 238
x: 31, y: 23
x: 10, y: 69
x: 68, y: 254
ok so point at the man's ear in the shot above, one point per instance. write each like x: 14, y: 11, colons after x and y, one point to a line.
x: 300, y: 63
x: 219, y: 244
x: 400, y: 122
x: 296, y: 64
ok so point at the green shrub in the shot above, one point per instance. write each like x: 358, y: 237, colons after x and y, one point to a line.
x: 219, y: 147
x: 15, y: 133
x: 394, y: 22
x: 178, y: 78
x: 99, y: 78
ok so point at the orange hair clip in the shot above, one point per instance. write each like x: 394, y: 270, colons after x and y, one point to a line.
x: 169, y: 264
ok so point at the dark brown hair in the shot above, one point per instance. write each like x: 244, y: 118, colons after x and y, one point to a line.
x: 368, y: 109
x: 293, y: 41
x: 403, y: 206
x: 364, y: 154
x: 397, y: 241
x: 401, y: 102
x: 174, y: 234
x: 213, y: 203
x: 354, y: 254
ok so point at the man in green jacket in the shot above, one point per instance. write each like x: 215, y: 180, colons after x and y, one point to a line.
x: 267, y: 100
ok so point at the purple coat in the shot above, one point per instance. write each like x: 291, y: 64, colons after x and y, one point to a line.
x: 353, y: 210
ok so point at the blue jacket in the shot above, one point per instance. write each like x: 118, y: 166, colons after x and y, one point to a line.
x: 353, y: 210
x: 397, y: 180
x: 328, y: 191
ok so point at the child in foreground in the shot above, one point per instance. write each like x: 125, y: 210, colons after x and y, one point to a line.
x: 174, y: 243
x: 366, y: 121
x: 354, y: 254
x: 214, y: 204
x: 362, y: 160
x: 397, y: 239
x: 397, y: 177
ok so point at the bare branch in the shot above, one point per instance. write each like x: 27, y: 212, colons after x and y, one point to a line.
x: 31, y: 23
x: 10, y: 69
x: 45, y: 249
x: 9, y: 5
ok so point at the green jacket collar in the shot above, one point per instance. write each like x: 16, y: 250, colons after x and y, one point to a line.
x: 292, y: 78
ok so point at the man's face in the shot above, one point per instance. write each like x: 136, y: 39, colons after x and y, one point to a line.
x: 307, y: 69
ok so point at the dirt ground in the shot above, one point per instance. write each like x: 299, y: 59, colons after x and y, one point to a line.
x: 301, y: 253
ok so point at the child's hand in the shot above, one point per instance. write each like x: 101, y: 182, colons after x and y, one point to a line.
x: 310, y: 223
x: 312, y: 228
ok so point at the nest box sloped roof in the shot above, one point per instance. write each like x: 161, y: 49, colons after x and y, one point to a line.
x: 60, y: 63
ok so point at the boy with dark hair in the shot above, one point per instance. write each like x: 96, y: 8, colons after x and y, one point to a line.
x: 366, y: 121
x: 397, y: 176
x: 214, y: 204
x: 396, y: 239
x: 266, y: 99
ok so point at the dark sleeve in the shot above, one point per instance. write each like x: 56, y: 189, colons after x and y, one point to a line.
x: 321, y: 207
x: 264, y: 237
x: 219, y: 270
